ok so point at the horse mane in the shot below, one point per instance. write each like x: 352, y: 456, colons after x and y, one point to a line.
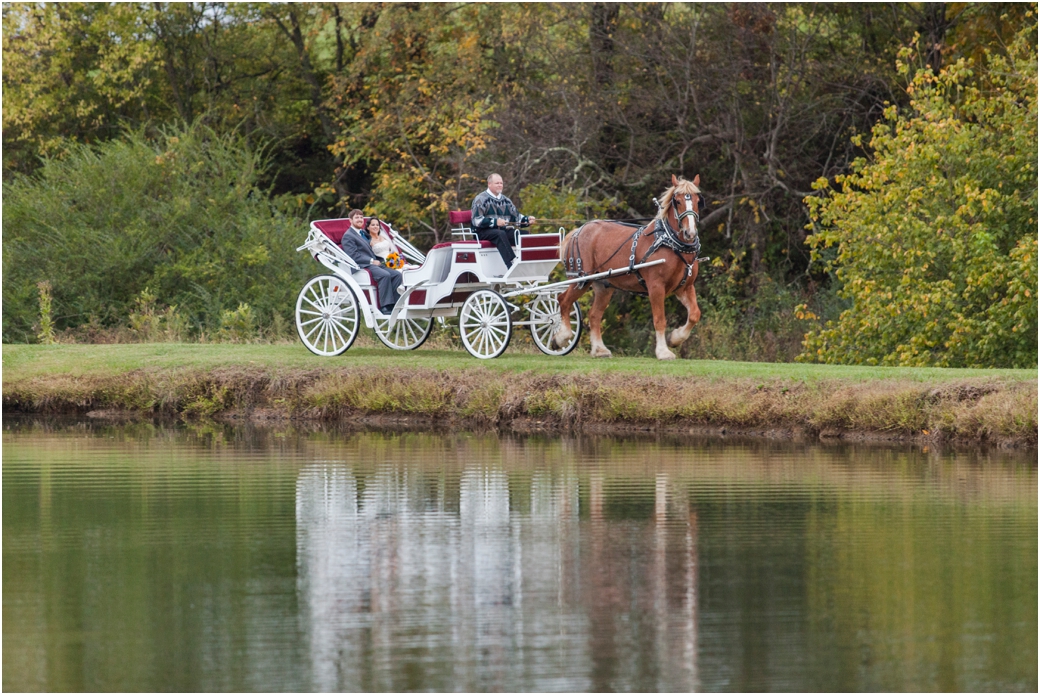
x: 682, y: 187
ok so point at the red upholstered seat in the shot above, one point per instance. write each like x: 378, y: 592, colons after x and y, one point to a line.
x: 460, y: 216
x: 372, y: 290
x: 335, y: 229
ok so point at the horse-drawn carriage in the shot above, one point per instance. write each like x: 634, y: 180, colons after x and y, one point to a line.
x: 464, y: 277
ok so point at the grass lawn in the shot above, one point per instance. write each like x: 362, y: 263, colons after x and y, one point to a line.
x: 28, y: 361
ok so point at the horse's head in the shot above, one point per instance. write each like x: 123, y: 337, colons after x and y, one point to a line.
x: 681, y: 207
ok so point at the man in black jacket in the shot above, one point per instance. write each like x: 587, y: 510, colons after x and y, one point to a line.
x: 495, y: 218
x: 355, y: 244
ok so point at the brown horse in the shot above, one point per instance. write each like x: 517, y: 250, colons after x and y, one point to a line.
x: 602, y: 245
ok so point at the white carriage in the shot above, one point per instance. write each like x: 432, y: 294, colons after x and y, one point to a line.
x: 464, y: 277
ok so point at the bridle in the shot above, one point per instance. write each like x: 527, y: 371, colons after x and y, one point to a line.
x: 690, y: 211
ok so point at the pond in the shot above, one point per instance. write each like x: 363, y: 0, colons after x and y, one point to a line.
x: 216, y: 558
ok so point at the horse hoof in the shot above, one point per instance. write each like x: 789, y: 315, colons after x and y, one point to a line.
x: 666, y: 355
x: 601, y: 352
x: 675, y: 340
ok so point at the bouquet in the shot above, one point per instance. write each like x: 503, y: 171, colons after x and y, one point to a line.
x: 394, y: 261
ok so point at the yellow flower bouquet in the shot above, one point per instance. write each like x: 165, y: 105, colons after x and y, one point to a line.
x: 394, y: 261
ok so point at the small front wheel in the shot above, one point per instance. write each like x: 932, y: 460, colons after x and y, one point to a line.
x: 404, y: 334
x: 485, y: 325
x: 327, y: 315
x: 545, y: 321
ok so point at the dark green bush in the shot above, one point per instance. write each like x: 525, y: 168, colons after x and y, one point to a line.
x: 179, y: 216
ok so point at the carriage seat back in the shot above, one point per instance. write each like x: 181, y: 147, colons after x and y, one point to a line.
x: 460, y: 224
x: 460, y: 217
x: 335, y: 229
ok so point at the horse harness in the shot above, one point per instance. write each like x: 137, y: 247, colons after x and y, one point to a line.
x: 663, y: 235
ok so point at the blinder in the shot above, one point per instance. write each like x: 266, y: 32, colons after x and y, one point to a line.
x: 695, y: 210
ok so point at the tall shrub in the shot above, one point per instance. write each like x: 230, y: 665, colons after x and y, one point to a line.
x: 936, y: 232
x: 180, y: 217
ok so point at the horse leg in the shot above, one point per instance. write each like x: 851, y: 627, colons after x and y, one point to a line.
x: 600, y: 299
x: 693, y: 315
x: 563, y: 334
x: 656, y: 293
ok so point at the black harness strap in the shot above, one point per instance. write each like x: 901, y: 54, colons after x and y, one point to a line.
x: 635, y: 238
x: 663, y: 234
x: 572, y: 266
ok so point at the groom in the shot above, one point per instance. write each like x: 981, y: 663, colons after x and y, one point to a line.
x: 355, y: 244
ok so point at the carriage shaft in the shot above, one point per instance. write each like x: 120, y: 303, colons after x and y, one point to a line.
x: 584, y: 278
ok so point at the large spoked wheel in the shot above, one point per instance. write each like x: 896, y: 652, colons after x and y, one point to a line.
x: 327, y: 315
x: 404, y: 334
x: 485, y: 324
x: 545, y: 320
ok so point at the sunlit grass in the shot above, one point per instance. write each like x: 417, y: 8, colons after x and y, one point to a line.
x: 27, y: 361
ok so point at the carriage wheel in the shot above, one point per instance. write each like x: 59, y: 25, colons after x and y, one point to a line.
x: 545, y: 319
x: 327, y: 316
x: 405, y: 334
x: 485, y: 324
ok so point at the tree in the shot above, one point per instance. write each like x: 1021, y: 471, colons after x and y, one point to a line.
x: 180, y: 219
x: 936, y: 232
x: 415, y: 107
x: 73, y: 72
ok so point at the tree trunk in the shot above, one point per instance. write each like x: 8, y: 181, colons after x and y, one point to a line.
x: 602, y: 25
x: 934, y: 26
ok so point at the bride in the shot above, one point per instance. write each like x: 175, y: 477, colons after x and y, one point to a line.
x: 380, y: 242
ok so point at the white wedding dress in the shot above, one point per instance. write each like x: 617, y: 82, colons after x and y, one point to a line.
x: 382, y: 247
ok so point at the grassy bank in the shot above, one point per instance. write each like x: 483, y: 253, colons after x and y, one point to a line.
x: 445, y: 388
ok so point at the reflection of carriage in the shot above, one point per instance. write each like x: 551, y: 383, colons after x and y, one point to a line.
x: 464, y: 277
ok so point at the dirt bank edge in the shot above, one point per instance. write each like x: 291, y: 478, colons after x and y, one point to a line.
x: 995, y: 411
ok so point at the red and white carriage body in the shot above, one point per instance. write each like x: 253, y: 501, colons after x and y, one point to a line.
x: 464, y: 276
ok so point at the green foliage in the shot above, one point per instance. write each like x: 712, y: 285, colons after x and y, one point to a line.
x: 553, y: 201
x: 415, y: 110
x: 179, y: 219
x: 936, y: 232
x: 151, y: 325
x: 71, y: 72
x: 239, y: 325
x: 763, y: 328
x: 46, y: 334
x: 402, y: 109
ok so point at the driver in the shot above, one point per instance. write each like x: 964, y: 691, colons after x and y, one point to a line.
x: 495, y: 217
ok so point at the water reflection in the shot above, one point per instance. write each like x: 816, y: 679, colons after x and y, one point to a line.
x: 202, y: 558
x: 415, y: 581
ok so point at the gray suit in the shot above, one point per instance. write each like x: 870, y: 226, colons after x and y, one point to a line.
x: 386, y: 281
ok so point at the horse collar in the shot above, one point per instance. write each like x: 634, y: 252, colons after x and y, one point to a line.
x: 664, y: 235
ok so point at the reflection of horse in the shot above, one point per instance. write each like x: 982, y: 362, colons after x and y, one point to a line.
x: 601, y: 245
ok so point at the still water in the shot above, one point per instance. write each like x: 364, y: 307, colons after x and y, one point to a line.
x: 142, y: 557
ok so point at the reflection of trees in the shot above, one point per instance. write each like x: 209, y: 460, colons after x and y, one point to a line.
x: 414, y: 581
x: 645, y: 574
x: 139, y: 556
